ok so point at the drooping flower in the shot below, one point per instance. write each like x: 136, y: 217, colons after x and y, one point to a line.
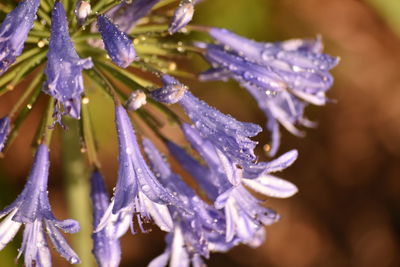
x: 106, y: 245
x: 32, y: 209
x: 244, y: 213
x: 138, y: 190
x: 290, y: 55
x: 64, y: 67
x: 195, y: 234
x: 182, y: 16
x: 14, y: 31
x: 4, y: 131
x: 224, y: 131
x: 117, y: 43
x: 283, y: 77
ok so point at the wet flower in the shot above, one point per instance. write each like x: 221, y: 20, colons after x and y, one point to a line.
x: 64, y: 67
x: 213, y: 212
x: 283, y: 77
x: 138, y: 191
x: 32, y: 209
x: 117, y: 43
x: 228, y: 134
x: 4, y: 131
x: 244, y: 214
x: 106, y: 245
x: 182, y: 16
x: 194, y: 234
x: 14, y: 31
x: 225, y: 132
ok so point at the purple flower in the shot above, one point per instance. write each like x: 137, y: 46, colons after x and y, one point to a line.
x: 4, y: 131
x: 225, y: 132
x: 283, y: 77
x: 117, y: 43
x: 64, y: 67
x: 138, y: 191
x: 171, y: 92
x: 182, y: 16
x: 32, y: 209
x: 243, y: 212
x: 14, y: 31
x: 106, y: 245
x: 126, y: 15
x: 284, y: 109
x: 194, y: 234
x: 292, y: 55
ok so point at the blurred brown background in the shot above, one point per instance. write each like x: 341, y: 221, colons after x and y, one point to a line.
x: 347, y: 212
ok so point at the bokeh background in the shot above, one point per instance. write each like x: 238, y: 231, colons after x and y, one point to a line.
x: 347, y: 211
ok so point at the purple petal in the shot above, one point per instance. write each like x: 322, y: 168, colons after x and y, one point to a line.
x: 117, y: 43
x: 226, y: 133
x: 182, y: 16
x: 61, y: 244
x: 8, y: 229
x: 64, y: 67
x: 271, y: 186
x: 14, y: 31
x: 4, y: 131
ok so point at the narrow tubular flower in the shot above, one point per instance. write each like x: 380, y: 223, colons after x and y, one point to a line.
x: 4, y: 131
x: 194, y: 233
x: 14, y: 31
x: 64, y: 67
x: 243, y: 212
x: 182, y: 16
x: 137, y: 191
x: 117, y: 43
x: 283, y: 77
x: 224, y: 131
x: 106, y: 245
x: 32, y: 209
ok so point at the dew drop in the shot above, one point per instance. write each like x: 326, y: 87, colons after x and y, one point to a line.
x: 145, y: 188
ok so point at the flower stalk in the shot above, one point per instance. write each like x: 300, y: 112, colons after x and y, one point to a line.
x: 77, y: 189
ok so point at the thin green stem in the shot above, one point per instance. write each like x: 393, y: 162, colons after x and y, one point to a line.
x: 77, y: 186
x: 28, y: 91
x: 164, y: 3
x: 44, y: 16
x: 45, y: 6
x: 21, y: 117
x: 88, y: 135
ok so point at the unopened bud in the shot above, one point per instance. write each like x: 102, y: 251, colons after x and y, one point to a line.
x: 136, y: 100
x: 82, y: 11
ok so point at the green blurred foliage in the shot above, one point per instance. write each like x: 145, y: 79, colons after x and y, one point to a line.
x: 390, y: 12
x: 249, y: 18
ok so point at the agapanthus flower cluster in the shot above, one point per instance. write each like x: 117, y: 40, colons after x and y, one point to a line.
x: 283, y: 77
x: 62, y: 51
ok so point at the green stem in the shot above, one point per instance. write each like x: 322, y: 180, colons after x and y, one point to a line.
x: 77, y: 190
x: 28, y: 91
